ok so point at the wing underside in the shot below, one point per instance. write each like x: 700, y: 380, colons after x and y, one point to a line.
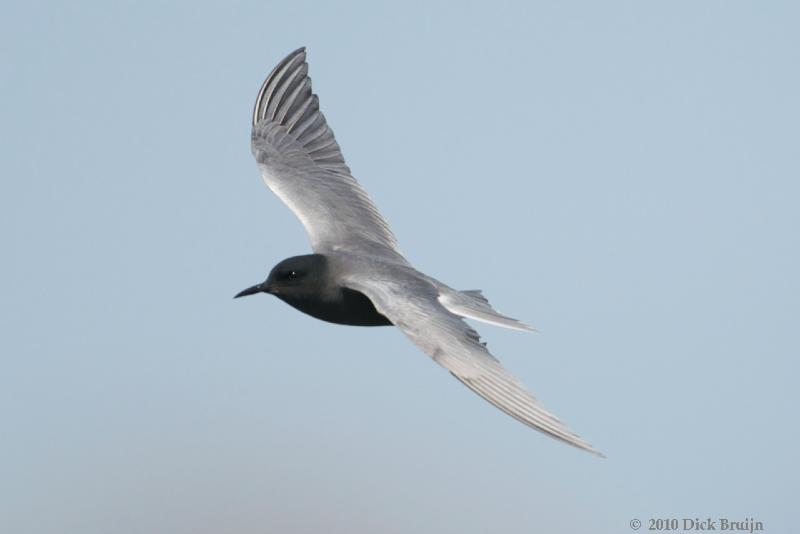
x: 301, y: 162
x: 413, y: 307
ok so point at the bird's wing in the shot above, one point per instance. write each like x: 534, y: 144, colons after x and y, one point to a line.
x: 302, y: 164
x: 412, y: 306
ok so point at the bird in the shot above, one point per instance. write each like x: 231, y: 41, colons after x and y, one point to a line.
x: 357, y: 274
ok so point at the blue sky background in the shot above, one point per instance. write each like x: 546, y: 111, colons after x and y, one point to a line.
x: 623, y: 175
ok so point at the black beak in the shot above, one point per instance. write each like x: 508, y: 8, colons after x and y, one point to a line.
x: 259, y: 288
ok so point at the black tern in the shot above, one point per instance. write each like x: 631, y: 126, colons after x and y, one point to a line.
x: 357, y: 274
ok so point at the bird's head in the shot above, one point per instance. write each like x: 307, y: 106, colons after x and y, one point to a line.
x: 294, y: 278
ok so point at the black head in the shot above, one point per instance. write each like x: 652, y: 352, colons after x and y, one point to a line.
x: 293, y: 278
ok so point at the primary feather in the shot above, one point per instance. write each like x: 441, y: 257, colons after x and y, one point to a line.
x: 410, y: 302
x: 302, y: 164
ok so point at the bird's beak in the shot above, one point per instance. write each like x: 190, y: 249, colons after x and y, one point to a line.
x: 258, y: 288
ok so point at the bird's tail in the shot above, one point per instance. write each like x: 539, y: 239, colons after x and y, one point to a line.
x: 473, y: 305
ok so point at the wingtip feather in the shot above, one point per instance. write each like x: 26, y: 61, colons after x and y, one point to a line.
x: 258, y: 108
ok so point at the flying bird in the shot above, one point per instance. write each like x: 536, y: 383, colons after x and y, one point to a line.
x: 357, y: 274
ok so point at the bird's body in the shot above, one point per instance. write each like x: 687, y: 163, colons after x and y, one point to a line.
x: 314, y: 290
x: 357, y: 274
x: 345, y: 306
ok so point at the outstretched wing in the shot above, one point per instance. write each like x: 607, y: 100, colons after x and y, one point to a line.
x: 412, y: 306
x: 302, y: 164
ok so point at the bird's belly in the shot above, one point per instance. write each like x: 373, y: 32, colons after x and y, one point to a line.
x: 351, y: 308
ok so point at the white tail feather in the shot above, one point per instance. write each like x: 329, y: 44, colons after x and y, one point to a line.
x: 473, y: 305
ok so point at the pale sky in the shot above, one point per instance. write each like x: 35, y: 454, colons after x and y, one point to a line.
x: 622, y: 175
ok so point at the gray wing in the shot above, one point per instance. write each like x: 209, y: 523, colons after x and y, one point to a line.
x: 302, y: 164
x: 413, y: 307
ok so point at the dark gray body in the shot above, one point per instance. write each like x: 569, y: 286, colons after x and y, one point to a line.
x: 311, y: 284
x: 345, y: 306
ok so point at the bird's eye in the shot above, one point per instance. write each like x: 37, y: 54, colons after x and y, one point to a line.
x: 291, y: 275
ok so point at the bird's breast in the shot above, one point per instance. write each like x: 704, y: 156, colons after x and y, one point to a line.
x: 345, y: 306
